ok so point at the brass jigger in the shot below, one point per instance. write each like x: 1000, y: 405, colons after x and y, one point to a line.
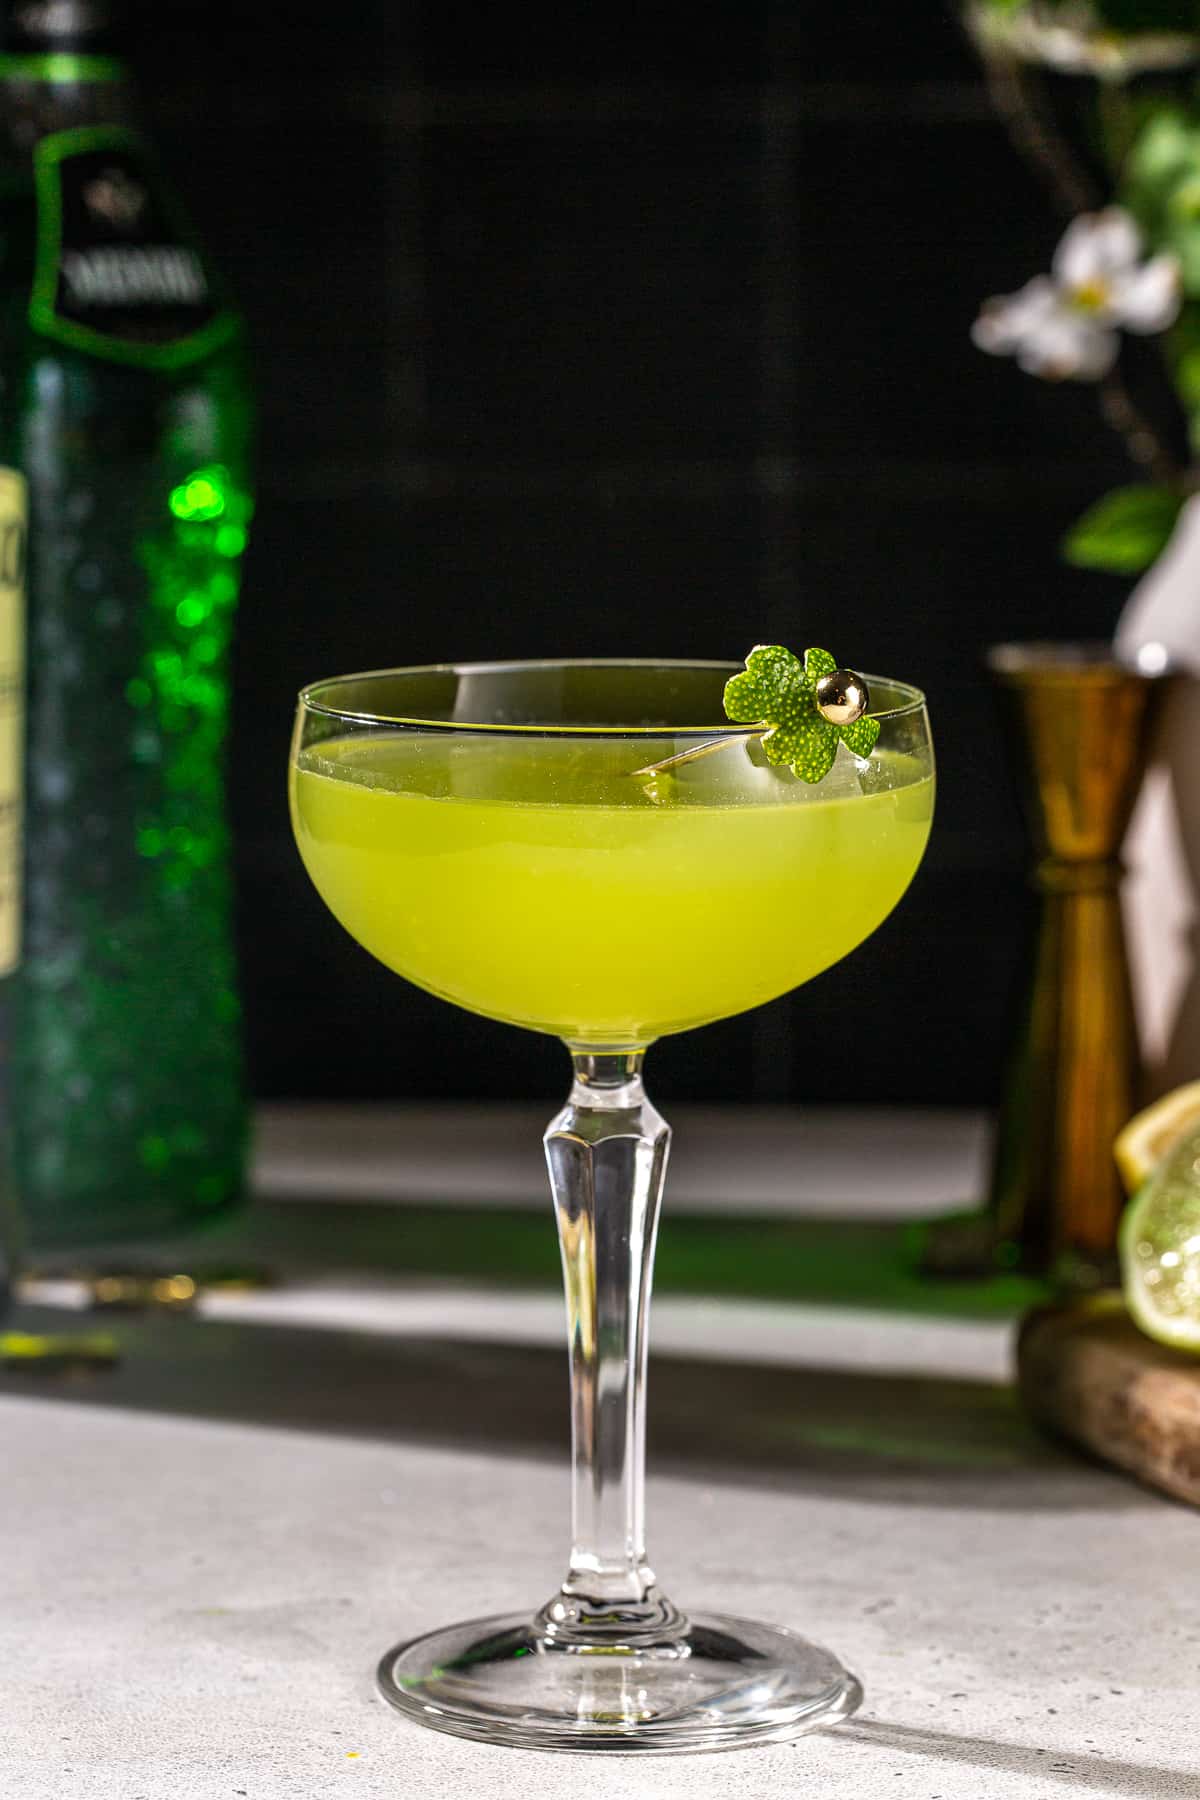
x: 1078, y: 724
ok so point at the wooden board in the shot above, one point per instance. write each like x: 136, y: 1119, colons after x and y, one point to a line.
x: 1088, y: 1374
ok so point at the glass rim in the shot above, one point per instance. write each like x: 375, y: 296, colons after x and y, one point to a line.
x: 311, y: 697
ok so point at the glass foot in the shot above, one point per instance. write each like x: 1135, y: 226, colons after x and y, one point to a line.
x: 716, y: 1684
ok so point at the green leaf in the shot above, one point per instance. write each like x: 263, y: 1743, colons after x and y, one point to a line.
x: 861, y: 737
x: 1124, y: 532
x: 1161, y: 188
x: 779, y: 691
x: 807, y: 747
x: 762, y: 692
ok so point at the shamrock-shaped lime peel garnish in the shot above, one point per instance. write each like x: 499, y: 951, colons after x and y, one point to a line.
x: 808, y: 707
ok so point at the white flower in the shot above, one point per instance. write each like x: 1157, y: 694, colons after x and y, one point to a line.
x: 1063, y: 326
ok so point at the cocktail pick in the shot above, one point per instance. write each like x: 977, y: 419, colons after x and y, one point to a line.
x: 808, y: 706
x: 800, y: 710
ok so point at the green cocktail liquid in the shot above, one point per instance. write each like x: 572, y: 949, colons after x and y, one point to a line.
x: 543, y: 884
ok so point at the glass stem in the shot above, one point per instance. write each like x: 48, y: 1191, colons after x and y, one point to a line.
x: 607, y: 1156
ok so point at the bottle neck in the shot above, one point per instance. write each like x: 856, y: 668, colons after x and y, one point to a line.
x: 61, y: 53
x: 61, y: 68
x: 41, y: 95
x: 87, y: 28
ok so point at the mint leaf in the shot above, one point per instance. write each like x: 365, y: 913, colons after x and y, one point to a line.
x: 1124, y: 532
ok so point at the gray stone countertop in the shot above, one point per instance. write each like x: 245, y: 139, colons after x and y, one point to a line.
x: 206, y: 1549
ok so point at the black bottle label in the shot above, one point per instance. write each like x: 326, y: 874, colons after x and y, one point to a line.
x: 119, y: 273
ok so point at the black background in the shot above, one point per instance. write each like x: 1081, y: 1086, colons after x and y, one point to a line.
x: 632, y: 330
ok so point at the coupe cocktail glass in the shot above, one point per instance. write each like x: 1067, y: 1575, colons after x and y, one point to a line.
x: 489, y: 831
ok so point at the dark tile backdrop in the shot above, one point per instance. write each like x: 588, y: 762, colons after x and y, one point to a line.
x: 624, y: 329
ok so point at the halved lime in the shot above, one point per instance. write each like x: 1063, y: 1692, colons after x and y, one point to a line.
x: 1159, y: 1242
x: 1153, y: 1132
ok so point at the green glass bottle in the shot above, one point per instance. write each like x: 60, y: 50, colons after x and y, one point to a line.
x: 13, y: 515
x: 124, y: 404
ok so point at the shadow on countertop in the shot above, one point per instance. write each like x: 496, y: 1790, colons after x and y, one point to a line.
x: 827, y: 1261
x: 901, y: 1439
x: 1082, y: 1769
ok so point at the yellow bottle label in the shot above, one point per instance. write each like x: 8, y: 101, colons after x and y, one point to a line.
x: 12, y: 711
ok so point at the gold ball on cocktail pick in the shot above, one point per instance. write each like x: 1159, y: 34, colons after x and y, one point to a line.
x: 842, y: 697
